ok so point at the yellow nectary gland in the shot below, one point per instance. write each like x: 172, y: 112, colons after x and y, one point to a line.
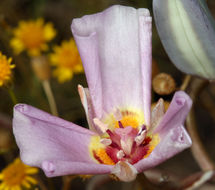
x: 129, y: 117
x: 102, y: 157
x: 128, y: 120
x: 154, y: 142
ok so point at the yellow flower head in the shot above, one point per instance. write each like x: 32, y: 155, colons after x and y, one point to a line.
x: 67, y: 61
x: 32, y: 36
x: 16, y: 176
x: 5, y: 69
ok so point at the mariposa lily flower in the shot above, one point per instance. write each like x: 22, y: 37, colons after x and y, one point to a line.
x: 125, y: 138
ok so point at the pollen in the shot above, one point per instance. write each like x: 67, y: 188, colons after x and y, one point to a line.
x: 128, y: 120
x: 32, y: 36
x: 17, y: 176
x: 5, y: 69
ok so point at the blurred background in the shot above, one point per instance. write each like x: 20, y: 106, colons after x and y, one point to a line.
x: 28, y: 88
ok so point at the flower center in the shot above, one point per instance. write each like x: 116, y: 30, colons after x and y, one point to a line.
x: 32, y: 36
x: 126, y: 142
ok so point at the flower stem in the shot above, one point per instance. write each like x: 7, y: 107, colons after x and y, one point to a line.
x: 197, y: 148
x: 145, y: 183
x: 50, y: 97
x: 185, y: 82
x: 12, y: 95
x: 97, y: 182
x: 40, y: 183
x: 67, y: 181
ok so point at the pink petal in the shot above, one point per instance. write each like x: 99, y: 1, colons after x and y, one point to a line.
x: 145, y: 36
x: 115, y: 47
x: 174, y: 141
x: 173, y: 136
x: 176, y: 113
x: 57, y: 146
x: 61, y: 167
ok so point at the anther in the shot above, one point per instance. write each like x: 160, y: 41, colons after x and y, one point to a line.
x: 120, y: 124
x: 139, y: 139
x: 106, y: 142
x: 143, y: 128
x: 120, y: 154
x: 103, y: 127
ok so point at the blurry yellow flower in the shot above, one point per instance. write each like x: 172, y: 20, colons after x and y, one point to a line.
x: 16, y: 176
x: 5, y: 69
x: 32, y: 36
x: 67, y: 61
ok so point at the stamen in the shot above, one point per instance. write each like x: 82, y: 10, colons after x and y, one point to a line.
x: 110, y: 133
x: 120, y: 124
x: 143, y: 128
x: 140, y: 138
x: 106, y: 142
x: 103, y: 127
x: 120, y: 154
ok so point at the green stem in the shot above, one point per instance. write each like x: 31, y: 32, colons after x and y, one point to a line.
x: 50, y: 97
x: 12, y: 96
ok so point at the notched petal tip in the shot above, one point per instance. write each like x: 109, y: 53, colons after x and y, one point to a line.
x: 23, y: 108
x: 78, y: 29
x: 19, y: 113
x: 181, y: 137
x: 143, y: 12
x: 180, y: 101
x: 182, y: 98
x: 48, y: 167
x: 124, y: 171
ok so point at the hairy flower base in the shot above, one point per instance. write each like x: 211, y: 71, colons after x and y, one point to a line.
x: 126, y: 142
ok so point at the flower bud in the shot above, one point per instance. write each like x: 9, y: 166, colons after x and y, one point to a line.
x: 41, y: 67
x: 163, y: 84
x: 188, y: 35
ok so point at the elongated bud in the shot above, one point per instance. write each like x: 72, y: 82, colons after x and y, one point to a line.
x: 163, y: 84
x: 41, y: 67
